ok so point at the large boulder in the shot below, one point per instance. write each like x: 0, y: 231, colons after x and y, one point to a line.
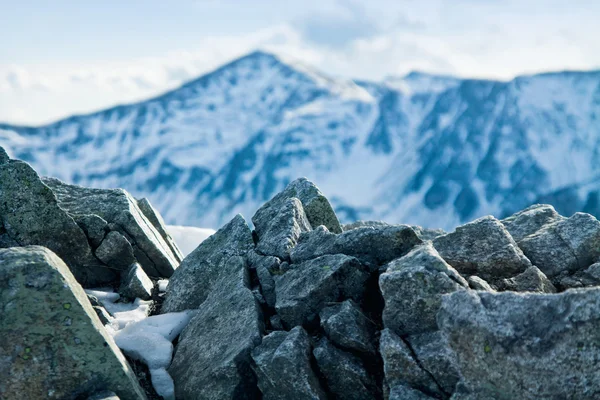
x: 31, y: 215
x: 413, y: 287
x: 120, y: 209
x: 314, y: 203
x: 564, y: 247
x: 373, y: 246
x: 198, y: 273
x: 212, y: 358
x: 530, y: 220
x: 483, y: 248
x: 283, y: 230
x: 53, y: 345
x: 528, y: 346
x: 282, y: 363
x: 423, y: 233
x: 303, y: 291
x: 348, y: 327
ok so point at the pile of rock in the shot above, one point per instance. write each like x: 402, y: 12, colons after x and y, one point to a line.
x: 303, y: 307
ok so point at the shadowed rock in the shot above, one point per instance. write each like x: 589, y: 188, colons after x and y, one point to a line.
x: 115, y: 251
x: 94, y: 227
x: 532, y: 280
x: 135, y: 283
x: 347, y: 327
x: 476, y: 283
x: 265, y: 267
x: 156, y: 219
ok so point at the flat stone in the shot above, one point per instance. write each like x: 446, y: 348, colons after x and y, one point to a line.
x: 347, y: 326
x: 136, y: 284
x: 115, y: 251
x: 53, y: 345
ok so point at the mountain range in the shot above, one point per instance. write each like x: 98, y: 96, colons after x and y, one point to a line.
x: 420, y: 149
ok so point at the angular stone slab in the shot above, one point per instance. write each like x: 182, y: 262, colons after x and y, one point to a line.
x: 532, y: 280
x: 530, y: 220
x: 156, y: 219
x: 348, y: 327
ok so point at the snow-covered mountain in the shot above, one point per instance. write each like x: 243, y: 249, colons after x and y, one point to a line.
x: 420, y: 149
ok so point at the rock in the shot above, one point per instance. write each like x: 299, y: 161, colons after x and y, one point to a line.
x: 115, y: 251
x: 31, y: 216
x: 400, y: 367
x: 588, y: 277
x: 4, y: 158
x: 483, y: 248
x: 436, y: 357
x: 156, y: 219
x: 423, y: 233
x: 94, y: 227
x: 53, y: 345
x: 303, y: 291
x: 204, y: 267
x: 118, y: 207
x: 362, y: 224
x: 314, y: 203
x: 265, y: 266
x: 525, y: 345
x: 104, y: 316
x: 476, y: 283
x: 6, y: 241
x: 344, y: 373
x: 373, y: 246
x: 136, y: 284
x: 283, y: 368
x: 212, y: 358
x: 565, y: 246
x: 400, y: 392
x: 104, y: 395
x: 530, y: 220
x: 532, y: 280
x: 259, y: 297
x: 413, y: 287
x: 281, y: 234
x: 347, y: 327
x: 275, y: 321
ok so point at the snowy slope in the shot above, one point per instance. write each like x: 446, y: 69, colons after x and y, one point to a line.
x: 420, y: 149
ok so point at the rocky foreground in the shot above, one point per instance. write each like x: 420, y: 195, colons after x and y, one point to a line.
x: 301, y: 307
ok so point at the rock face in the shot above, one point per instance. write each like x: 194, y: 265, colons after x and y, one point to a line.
x: 550, y: 350
x: 530, y: 220
x: 156, y: 219
x: 53, y: 345
x: 347, y: 326
x: 115, y: 251
x: 483, y: 248
x: 136, y: 284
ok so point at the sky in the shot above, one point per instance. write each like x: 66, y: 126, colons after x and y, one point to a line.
x: 64, y: 57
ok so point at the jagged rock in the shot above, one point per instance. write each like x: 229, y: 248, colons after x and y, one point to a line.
x: 400, y: 367
x: 281, y: 233
x: 413, y: 287
x: 436, y: 357
x: 565, y: 246
x: 314, y: 203
x: 476, y: 283
x: 362, y: 224
x: 136, y: 284
x: 208, y: 264
x: 118, y: 207
x: 104, y: 395
x: 6, y: 241
x: 401, y: 392
x: 212, y: 358
x: 347, y: 327
x: 103, y: 315
x: 525, y: 345
x: 53, y: 345
x: 344, y: 373
x: 265, y: 266
x: 4, y: 158
x: 373, y: 246
x: 94, y: 227
x: 259, y: 297
x: 282, y: 366
x: 31, y: 216
x: 115, y: 251
x: 303, y: 291
x: 530, y: 220
x: 156, y: 219
x: 275, y: 322
x: 423, y: 233
x: 483, y: 248
x: 588, y: 277
x: 532, y: 280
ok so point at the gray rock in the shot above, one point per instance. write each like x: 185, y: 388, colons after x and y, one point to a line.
x: 565, y: 246
x: 31, y: 216
x: 588, y: 277
x: 530, y: 220
x: 362, y: 224
x: 104, y: 395
x: 373, y: 246
x: 344, y: 373
x: 436, y: 357
x: 423, y: 233
x: 525, y: 345
x: 282, y: 366
x: 6, y: 241
x: 115, y: 251
x: 53, y: 345
x: 483, y: 248
x: 347, y: 327
x: 212, y: 358
x: 476, y: 283
x: 4, y: 158
x: 532, y: 280
x: 303, y: 291
x: 275, y: 321
x: 400, y: 367
x: 281, y: 233
x: 259, y: 297
x: 315, y: 205
x: 135, y: 283
x: 118, y: 207
x: 267, y: 283
x: 94, y: 227
x: 198, y: 273
x: 103, y: 315
x: 400, y: 392
x: 156, y: 219
x: 413, y: 287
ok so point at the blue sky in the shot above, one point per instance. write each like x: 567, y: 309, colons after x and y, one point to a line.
x: 63, y: 57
